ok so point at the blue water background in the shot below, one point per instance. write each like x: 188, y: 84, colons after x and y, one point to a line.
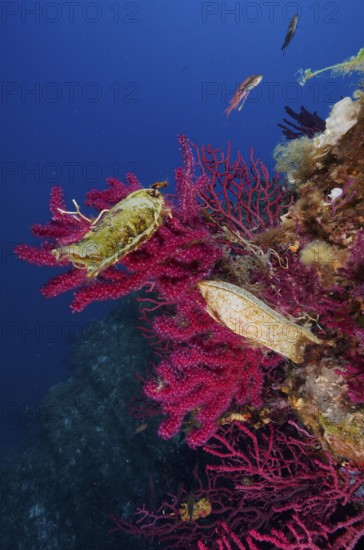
x: 115, y: 83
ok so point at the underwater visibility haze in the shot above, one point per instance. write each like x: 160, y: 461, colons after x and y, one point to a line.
x: 183, y: 182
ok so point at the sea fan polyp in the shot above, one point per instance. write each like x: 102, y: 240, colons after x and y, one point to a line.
x: 116, y: 232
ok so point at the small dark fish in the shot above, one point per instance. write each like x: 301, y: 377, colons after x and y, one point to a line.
x: 190, y: 504
x: 139, y: 429
x: 290, y: 33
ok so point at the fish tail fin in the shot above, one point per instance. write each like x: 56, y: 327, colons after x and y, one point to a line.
x: 228, y: 111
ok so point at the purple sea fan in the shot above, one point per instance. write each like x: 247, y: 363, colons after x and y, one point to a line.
x: 309, y: 124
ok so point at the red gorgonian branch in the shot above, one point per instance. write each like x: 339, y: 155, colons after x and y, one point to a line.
x: 239, y: 196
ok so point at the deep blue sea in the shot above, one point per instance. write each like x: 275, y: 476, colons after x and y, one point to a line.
x: 97, y: 89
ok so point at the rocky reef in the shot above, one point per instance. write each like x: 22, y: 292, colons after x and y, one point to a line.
x: 324, y: 229
x: 86, y: 459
